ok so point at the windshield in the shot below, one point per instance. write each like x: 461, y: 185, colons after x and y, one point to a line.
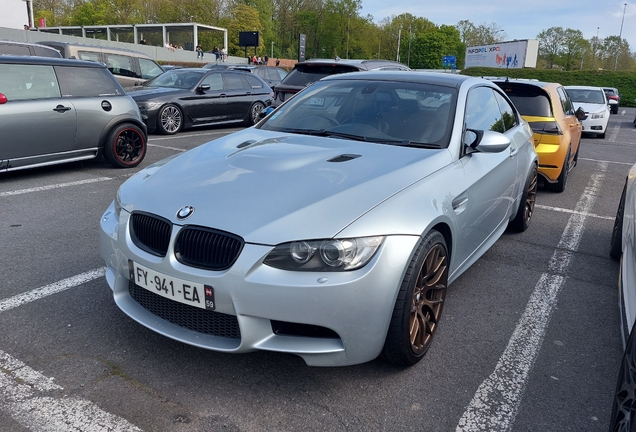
x: 592, y: 96
x: 177, y: 78
x: 392, y: 112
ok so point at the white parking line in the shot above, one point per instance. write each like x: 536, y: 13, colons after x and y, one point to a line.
x: 607, y: 162
x: 614, y: 134
x: 33, y: 401
x: 562, y: 210
x: 496, y: 402
x: 179, y: 136
x: 167, y: 147
x: 25, y: 394
x: 38, y: 293
x: 54, y: 186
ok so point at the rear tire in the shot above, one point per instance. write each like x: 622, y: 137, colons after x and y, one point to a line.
x: 419, y: 303
x: 255, y: 110
x: 125, y: 146
x: 559, y: 186
x: 521, y: 222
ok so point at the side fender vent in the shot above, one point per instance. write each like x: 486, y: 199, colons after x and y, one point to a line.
x: 343, y: 158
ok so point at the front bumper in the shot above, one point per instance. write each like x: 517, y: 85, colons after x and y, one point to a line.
x: 595, y: 125
x: 354, y: 306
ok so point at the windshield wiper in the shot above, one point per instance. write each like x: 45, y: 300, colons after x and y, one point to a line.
x: 329, y: 133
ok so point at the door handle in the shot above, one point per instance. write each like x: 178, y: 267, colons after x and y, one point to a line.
x: 513, y: 151
x: 61, y: 108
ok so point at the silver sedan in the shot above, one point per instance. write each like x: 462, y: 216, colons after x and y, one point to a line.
x: 330, y: 230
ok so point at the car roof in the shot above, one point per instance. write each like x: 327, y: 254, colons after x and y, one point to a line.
x: 521, y: 82
x: 6, y: 41
x: 360, y: 63
x: 583, y: 88
x: 98, y: 47
x: 48, y: 61
x: 433, y: 78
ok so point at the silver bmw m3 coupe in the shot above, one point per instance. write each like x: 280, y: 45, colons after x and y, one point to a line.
x: 333, y: 227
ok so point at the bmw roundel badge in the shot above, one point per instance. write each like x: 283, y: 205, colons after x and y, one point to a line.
x: 185, y: 212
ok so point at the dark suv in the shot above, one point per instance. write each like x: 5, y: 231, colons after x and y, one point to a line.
x: 27, y: 49
x: 305, y: 73
x: 59, y: 110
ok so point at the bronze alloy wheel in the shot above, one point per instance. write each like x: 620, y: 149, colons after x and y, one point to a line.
x: 427, y: 301
x: 419, y: 303
x: 525, y: 210
x: 531, y: 197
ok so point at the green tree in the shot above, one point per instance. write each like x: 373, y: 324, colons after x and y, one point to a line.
x: 551, y: 44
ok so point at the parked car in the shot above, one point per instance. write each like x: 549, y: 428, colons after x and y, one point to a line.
x: 191, y: 97
x: 131, y: 68
x: 307, y: 72
x: 57, y: 110
x: 270, y: 74
x: 166, y: 68
x: 623, y: 248
x: 27, y: 49
x: 613, y: 98
x: 594, y: 102
x: 330, y: 230
x: 555, y: 124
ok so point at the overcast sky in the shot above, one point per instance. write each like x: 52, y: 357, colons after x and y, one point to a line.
x: 520, y: 20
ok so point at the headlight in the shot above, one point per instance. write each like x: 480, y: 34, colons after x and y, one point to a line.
x: 324, y: 255
x: 598, y: 115
x: 117, y: 204
x: 147, y: 105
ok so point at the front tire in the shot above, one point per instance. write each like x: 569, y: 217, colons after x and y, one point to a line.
x: 419, y: 303
x: 170, y: 120
x: 521, y: 222
x: 616, y: 244
x: 125, y: 146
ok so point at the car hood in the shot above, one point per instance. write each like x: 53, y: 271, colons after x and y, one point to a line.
x: 145, y: 93
x: 269, y: 187
x: 590, y: 107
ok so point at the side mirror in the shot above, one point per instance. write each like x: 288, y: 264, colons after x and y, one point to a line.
x: 580, y: 114
x: 3, y: 99
x: 264, y: 113
x: 203, y: 87
x: 486, y: 141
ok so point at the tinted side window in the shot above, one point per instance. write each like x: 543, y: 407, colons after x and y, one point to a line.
x: 44, y: 52
x: 253, y: 82
x: 233, y: 81
x: 568, y: 108
x: 24, y: 82
x: 482, y: 111
x: 214, y: 80
x: 507, y: 112
x: 149, y: 69
x: 121, y: 65
x: 307, y: 74
x: 87, y: 82
x: 87, y: 55
x: 15, y: 49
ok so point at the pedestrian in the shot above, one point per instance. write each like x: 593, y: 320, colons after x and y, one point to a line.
x: 266, y: 61
x: 143, y: 41
x: 224, y: 54
x: 277, y: 62
x: 199, y: 51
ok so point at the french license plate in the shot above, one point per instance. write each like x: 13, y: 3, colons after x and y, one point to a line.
x: 190, y: 293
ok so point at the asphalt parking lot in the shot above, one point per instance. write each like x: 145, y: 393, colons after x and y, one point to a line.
x: 529, y: 339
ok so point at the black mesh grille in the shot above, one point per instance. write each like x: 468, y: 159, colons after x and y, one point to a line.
x: 207, y: 248
x: 190, y: 317
x: 150, y: 233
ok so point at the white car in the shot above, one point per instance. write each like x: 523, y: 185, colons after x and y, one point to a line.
x: 594, y: 103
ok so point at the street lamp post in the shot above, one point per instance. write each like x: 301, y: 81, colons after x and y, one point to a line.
x: 408, y: 59
x: 272, y: 56
x: 398, y: 50
x: 620, y: 35
x: 594, y: 48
